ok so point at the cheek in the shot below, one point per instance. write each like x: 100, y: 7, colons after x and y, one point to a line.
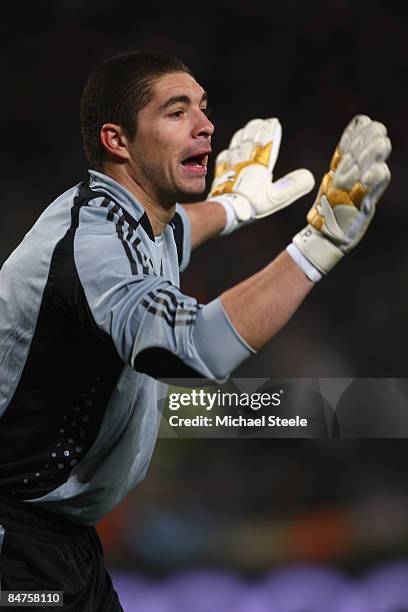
x: 165, y: 148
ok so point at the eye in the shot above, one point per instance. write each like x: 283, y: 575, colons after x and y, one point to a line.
x: 177, y: 114
x: 207, y: 111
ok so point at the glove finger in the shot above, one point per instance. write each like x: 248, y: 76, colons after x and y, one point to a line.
x: 262, y: 132
x: 271, y: 133
x: 236, y: 150
x: 251, y: 140
x: 346, y: 174
x: 374, y: 130
x: 273, y: 122
x: 353, y: 129
x: 222, y: 163
x: 361, y: 138
x: 383, y: 184
x: 357, y: 147
x: 346, y: 162
x: 271, y: 130
x: 252, y: 130
x: 286, y: 190
x: 375, y: 181
x: 362, y: 144
x: 376, y: 151
x: 359, y: 122
x: 236, y: 139
x: 244, y: 141
x: 375, y: 175
x: 244, y: 152
x: 265, y: 137
x: 222, y: 158
x: 236, y: 155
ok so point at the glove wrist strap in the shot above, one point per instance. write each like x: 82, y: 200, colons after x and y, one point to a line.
x: 237, y: 208
x: 304, y: 264
x: 231, y: 222
x: 318, y: 250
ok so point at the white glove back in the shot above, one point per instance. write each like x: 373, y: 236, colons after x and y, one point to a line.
x: 243, y: 175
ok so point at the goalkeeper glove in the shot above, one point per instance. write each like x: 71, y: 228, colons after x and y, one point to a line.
x: 347, y: 197
x: 243, y: 175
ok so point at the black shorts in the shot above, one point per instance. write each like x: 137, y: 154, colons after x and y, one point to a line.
x: 41, y: 551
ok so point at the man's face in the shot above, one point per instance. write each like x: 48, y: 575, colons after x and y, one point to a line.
x: 168, y: 156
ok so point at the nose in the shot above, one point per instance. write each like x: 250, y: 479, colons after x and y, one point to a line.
x: 204, y: 127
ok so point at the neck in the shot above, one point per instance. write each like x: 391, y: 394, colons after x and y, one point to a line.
x: 159, y: 215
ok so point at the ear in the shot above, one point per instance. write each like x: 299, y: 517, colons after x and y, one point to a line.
x: 114, y: 141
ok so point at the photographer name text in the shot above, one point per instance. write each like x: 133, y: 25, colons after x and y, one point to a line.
x: 237, y: 421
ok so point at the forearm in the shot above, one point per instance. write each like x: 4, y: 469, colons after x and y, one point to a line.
x: 207, y: 220
x: 262, y: 304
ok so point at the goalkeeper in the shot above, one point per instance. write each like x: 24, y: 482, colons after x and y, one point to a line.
x: 91, y: 313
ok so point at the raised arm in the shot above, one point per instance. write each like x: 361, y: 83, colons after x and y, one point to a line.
x: 345, y: 204
x: 261, y: 305
x: 207, y: 220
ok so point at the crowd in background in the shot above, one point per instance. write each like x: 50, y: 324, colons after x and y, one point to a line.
x: 255, y: 504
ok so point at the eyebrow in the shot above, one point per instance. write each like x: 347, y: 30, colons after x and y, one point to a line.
x: 184, y: 99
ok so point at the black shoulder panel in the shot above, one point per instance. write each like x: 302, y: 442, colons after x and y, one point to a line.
x: 178, y: 228
x: 161, y: 363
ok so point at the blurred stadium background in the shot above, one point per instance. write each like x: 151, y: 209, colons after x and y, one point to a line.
x: 252, y: 518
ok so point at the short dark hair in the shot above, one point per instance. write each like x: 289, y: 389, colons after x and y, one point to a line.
x: 116, y: 91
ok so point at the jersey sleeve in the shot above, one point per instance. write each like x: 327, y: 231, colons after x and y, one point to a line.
x: 154, y: 327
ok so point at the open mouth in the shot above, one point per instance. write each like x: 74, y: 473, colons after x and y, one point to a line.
x: 196, y: 161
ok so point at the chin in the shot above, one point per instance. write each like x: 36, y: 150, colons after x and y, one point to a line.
x: 192, y: 193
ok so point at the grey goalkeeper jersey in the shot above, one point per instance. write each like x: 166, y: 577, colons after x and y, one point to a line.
x: 91, y: 314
